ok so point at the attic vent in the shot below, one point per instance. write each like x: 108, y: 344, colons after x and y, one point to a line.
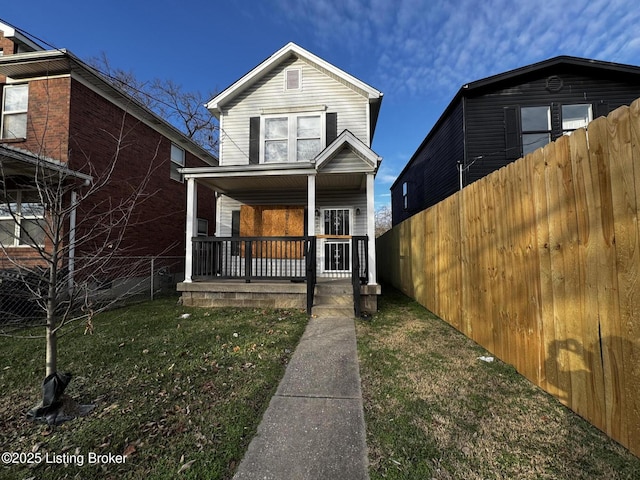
x: 293, y: 77
x: 554, y: 83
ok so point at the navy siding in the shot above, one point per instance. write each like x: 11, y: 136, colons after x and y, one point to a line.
x: 484, y: 113
x: 432, y: 173
x: 476, y: 134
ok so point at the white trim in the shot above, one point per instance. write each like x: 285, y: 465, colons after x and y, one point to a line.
x: 13, y: 81
x: 191, y: 227
x: 348, y: 138
x: 371, y: 227
x: 326, y: 241
x: 292, y: 138
x: 286, y: 79
x: 311, y: 205
x: 300, y: 109
x: 215, y: 104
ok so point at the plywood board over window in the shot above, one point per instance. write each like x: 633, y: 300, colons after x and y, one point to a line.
x: 273, y: 221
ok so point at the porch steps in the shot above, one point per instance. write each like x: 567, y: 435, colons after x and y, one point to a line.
x: 333, y: 299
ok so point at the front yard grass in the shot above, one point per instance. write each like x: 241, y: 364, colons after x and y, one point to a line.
x: 175, y: 388
x: 435, y: 411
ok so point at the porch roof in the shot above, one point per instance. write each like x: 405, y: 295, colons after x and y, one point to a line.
x: 16, y: 161
x: 251, y: 178
x: 343, y: 165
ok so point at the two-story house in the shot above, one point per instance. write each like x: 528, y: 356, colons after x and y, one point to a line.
x: 58, y: 114
x: 295, y: 185
x: 494, y: 121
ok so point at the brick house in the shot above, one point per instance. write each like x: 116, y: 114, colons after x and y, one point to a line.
x: 59, y: 114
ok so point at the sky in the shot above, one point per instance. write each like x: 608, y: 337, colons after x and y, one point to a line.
x: 419, y: 53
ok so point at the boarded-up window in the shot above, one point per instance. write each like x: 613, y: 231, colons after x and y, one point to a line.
x: 273, y: 221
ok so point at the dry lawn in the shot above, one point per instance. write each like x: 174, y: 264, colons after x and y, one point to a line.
x: 434, y: 410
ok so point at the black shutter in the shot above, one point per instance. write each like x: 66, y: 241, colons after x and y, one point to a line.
x: 254, y: 140
x: 513, y: 149
x: 332, y: 127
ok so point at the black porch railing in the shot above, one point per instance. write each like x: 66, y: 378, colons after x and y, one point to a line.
x: 311, y: 273
x: 250, y: 258
x: 359, y: 267
x: 279, y: 258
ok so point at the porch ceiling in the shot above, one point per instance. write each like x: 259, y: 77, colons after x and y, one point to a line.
x: 239, y: 184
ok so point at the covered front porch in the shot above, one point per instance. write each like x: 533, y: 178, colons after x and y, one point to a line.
x: 275, y: 272
x: 285, y: 224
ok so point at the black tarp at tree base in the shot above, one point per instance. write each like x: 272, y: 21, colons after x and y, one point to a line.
x: 56, y: 407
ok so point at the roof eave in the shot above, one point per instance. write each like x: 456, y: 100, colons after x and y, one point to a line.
x: 51, y: 62
x: 216, y: 104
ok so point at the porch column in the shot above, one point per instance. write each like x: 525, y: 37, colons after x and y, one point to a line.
x: 192, y: 225
x: 371, y: 228
x: 311, y: 205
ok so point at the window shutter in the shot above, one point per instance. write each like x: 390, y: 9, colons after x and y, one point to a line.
x: 513, y: 149
x: 332, y: 127
x: 254, y: 140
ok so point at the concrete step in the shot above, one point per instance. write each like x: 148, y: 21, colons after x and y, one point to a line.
x: 333, y: 299
x: 332, y: 311
x: 331, y: 288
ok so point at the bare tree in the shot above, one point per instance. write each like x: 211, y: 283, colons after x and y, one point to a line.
x: 71, y: 256
x: 383, y: 220
x: 185, y: 110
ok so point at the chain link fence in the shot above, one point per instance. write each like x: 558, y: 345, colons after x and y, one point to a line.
x: 87, y: 283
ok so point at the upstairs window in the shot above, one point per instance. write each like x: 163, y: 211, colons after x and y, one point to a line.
x: 15, y: 100
x: 575, y: 117
x: 177, y: 161
x: 536, y: 127
x: 291, y: 138
x: 21, y: 219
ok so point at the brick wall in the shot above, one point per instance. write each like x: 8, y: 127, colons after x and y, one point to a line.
x: 101, y: 133
x: 67, y: 121
x: 48, y: 118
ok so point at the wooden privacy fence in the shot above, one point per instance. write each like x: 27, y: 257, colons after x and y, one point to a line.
x: 539, y: 263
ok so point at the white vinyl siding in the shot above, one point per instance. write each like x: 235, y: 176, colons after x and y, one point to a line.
x: 267, y: 94
x: 355, y: 202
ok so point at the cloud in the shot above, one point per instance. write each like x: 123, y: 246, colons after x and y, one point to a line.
x: 416, y: 48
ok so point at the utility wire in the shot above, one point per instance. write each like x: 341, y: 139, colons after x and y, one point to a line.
x: 118, y: 81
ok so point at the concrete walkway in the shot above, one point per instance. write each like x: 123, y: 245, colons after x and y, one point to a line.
x: 314, y: 425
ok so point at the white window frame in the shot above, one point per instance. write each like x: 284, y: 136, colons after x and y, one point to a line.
x: 16, y: 113
x: 292, y: 138
x: 18, y: 217
x: 298, y: 72
x: 567, y: 131
x: 177, y: 161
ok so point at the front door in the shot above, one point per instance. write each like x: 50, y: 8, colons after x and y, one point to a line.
x: 337, y: 241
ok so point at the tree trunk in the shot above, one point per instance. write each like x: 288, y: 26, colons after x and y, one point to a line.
x: 52, y: 351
